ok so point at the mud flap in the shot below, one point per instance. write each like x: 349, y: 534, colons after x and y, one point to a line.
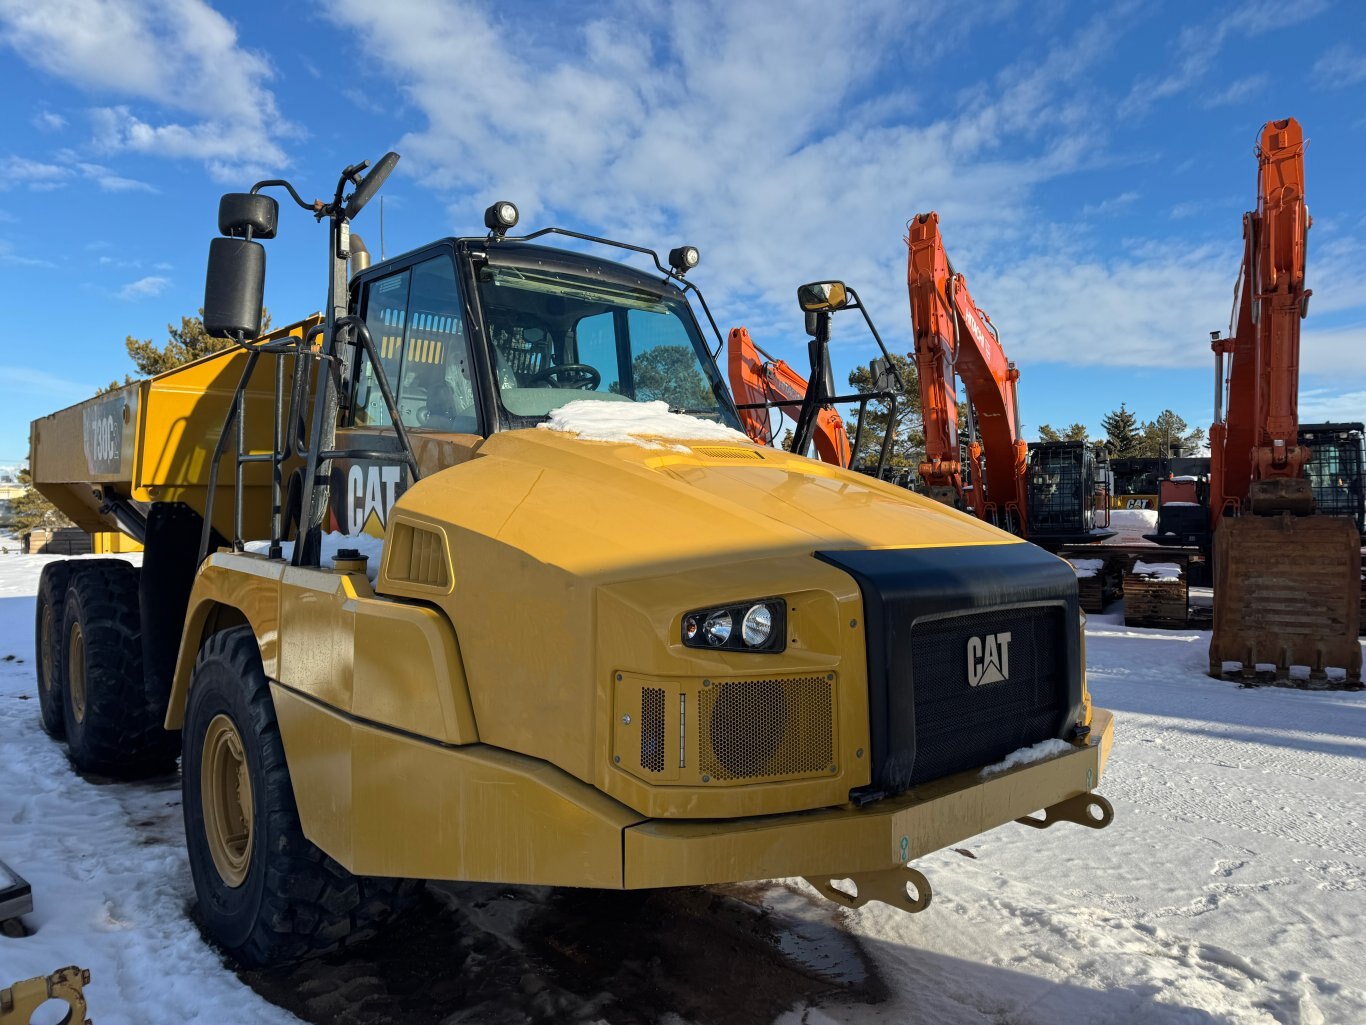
x: 1287, y: 592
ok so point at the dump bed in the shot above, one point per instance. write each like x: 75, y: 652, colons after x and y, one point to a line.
x: 153, y: 441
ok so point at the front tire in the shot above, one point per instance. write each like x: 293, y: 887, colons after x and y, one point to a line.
x: 266, y: 893
x: 111, y: 728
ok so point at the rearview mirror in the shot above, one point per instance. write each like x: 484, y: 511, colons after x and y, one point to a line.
x: 370, y: 184
x: 823, y: 296
x: 234, y: 288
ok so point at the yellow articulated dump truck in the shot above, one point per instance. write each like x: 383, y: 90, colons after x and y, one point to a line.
x: 473, y: 576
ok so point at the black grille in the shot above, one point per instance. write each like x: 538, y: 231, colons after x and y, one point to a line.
x: 959, y: 726
x: 934, y: 618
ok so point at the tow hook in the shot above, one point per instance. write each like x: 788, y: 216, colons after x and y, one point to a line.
x: 889, y: 886
x: 1084, y: 809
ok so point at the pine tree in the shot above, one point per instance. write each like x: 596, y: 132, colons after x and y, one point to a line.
x: 187, y: 342
x: 1121, y: 431
x: 1167, y: 432
x: 908, y: 439
x: 1076, y: 432
x: 1048, y: 433
x: 32, y: 511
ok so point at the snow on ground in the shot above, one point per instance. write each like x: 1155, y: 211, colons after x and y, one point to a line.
x: 1230, y: 889
x: 1157, y: 570
x: 111, y: 886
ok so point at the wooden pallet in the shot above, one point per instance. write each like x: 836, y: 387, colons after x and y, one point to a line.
x: 1154, y: 602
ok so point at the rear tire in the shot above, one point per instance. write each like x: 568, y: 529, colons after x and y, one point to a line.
x: 47, y: 645
x: 111, y: 728
x: 266, y: 893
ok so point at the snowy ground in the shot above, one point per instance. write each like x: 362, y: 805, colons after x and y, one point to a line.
x: 1231, y: 888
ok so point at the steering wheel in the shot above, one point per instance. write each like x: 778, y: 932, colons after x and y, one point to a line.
x: 569, y: 375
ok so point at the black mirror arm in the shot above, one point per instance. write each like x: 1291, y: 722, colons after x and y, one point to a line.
x: 281, y: 183
x: 891, y: 363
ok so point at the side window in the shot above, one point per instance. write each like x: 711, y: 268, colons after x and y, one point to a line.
x: 386, y: 314
x: 595, y: 344
x: 425, y: 351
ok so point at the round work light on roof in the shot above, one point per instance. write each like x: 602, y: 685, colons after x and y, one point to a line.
x: 500, y: 217
x: 684, y: 259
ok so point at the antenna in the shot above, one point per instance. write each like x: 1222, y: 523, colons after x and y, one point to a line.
x: 381, y: 228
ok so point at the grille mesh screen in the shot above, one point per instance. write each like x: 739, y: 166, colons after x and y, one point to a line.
x: 756, y: 729
x: 652, y: 729
x: 958, y: 726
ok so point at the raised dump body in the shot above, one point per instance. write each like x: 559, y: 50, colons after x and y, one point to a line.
x: 105, y: 461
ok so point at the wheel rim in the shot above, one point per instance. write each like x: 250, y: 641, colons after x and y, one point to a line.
x: 75, y: 671
x: 45, y: 643
x: 226, y: 799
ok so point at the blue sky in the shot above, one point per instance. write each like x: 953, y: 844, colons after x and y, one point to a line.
x: 1090, y: 164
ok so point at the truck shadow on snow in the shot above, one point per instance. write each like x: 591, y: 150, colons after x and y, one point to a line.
x: 708, y: 956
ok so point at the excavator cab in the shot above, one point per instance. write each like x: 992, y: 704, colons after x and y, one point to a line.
x: 1335, y: 470
x: 1064, y: 482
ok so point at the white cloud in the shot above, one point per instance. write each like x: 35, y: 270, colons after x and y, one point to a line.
x: 1197, y: 46
x: 47, y: 121
x: 36, y: 175
x: 755, y: 137
x: 15, y: 257
x: 1324, y: 405
x: 144, y: 288
x: 41, y: 382
x: 111, y: 182
x: 1112, y: 205
x: 172, y: 56
x: 1339, y: 67
x: 1237, y: 91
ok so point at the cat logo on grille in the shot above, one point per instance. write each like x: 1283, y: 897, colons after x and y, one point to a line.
x: 988, y: 659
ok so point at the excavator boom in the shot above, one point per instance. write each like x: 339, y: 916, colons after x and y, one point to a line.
x: 1287, y: 579
x: 759, y: 381
x: 953, y: 337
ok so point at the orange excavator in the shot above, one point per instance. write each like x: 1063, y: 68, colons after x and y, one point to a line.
x: 1287, y: 578
x: 1047, y: 491
x: 763, y: 384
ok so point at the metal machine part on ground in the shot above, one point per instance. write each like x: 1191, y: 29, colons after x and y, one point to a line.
x: 664, y: 657
x: 1287, y: 577
x: 19, y: 1002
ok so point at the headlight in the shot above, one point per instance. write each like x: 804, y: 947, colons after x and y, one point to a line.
x: 762, y: 626
x: 757, y: 626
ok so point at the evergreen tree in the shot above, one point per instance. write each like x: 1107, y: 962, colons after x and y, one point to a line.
x: 187, y: 342
x: 1121, y: 432
x: 908, y: 439
x: 32, y: 511
x: 1169, y: 431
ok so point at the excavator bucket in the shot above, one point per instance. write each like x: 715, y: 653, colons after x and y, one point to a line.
x: 1287, y: 593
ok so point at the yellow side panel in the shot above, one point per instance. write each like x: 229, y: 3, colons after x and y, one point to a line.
x: 385, y: 804
x: 106, y: 542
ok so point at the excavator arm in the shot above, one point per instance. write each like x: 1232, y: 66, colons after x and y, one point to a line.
x: 758, y: 381
x: 955, y: 339
x: 1255, y: 449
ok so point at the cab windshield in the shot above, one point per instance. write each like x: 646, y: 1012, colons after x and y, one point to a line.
x: 555, y: 338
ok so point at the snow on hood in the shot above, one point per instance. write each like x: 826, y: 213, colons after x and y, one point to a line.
x: 647, y: 424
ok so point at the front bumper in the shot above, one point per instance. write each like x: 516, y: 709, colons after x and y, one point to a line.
x: 843, y: 841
